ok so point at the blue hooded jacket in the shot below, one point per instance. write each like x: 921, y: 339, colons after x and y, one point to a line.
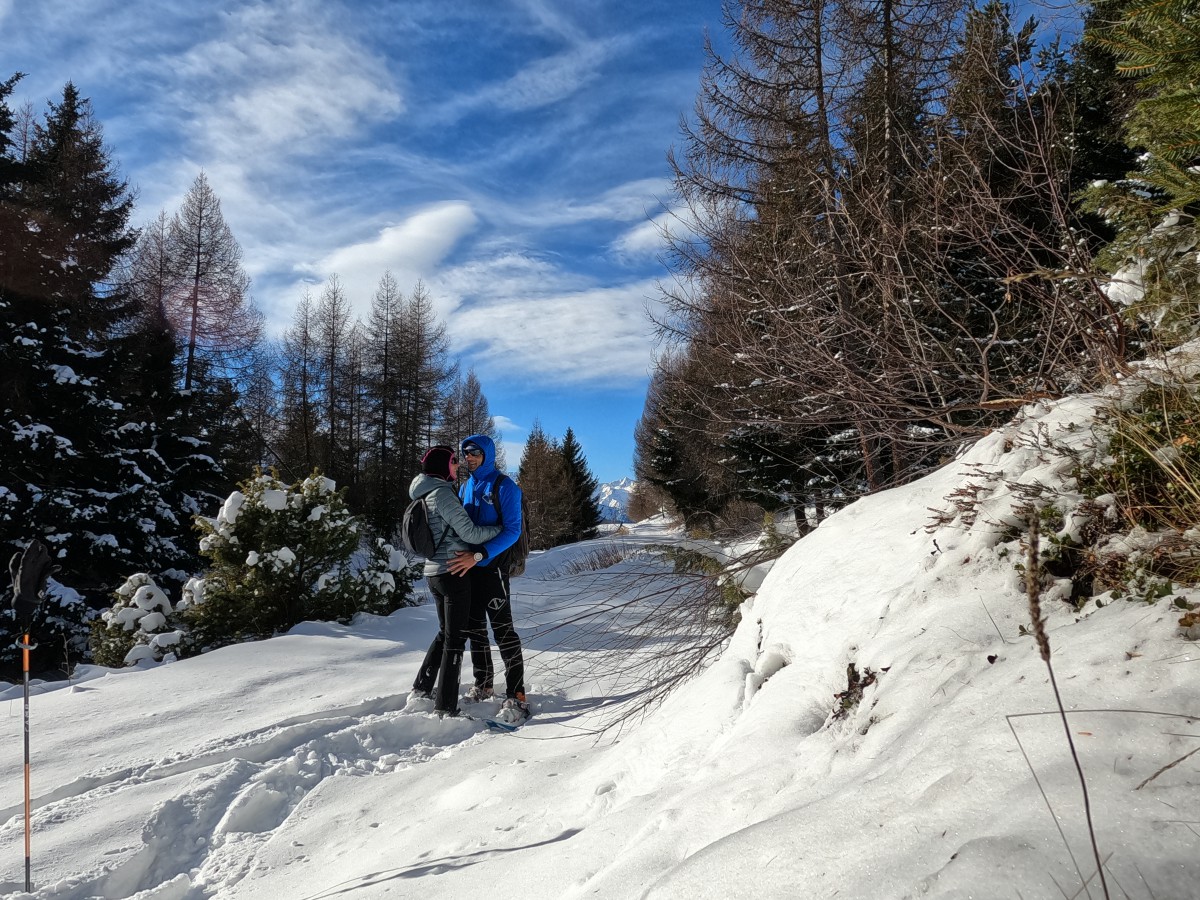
x: 478, y: 498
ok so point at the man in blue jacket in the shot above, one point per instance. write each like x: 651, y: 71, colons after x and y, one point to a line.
x: 490, y: 599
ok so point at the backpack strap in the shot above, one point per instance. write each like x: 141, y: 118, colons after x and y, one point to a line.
x: 501, y: 561
x: 445, y: 525
x: 500, y: 476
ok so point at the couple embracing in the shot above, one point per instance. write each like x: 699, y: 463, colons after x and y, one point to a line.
x: 467, y: 576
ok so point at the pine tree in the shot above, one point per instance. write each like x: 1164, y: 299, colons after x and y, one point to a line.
x: 646, y: 500
x: 333, y: 344
x: 466, y: 411
x: 209, y: 304
x: 883, y: 239
x: 583, y: 522
x: 426, y: 374
x: 543, y: 479
x: 184, y: 464
x: 137, y: 626
x: 300, y: 388
x: 1153, y: 210
x: 997, y: 220
x: 383, y: 407
x: 678, y: 442
x: 87, y: 485
x: 80, y: 209
x: 259, y: 406
x: 357, y: 425
x: 186, y: 278
x: 280, y: 554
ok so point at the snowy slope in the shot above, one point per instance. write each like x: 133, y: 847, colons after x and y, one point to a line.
x: 296, y: 768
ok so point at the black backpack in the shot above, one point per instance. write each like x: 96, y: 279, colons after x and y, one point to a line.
x: 416, y: 535
x: 512, y: 560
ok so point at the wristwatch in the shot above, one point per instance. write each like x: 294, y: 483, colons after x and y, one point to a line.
x: 478, y: 557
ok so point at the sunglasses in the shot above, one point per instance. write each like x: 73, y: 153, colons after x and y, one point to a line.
x: 472, y: 451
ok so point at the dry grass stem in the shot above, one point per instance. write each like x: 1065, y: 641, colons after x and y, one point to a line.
x: 1033, y: 588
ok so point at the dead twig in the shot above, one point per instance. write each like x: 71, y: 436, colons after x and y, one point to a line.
x: 1169, y: 765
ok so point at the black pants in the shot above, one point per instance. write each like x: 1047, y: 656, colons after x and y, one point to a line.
x: 443, y: 660
x: 490, y: 601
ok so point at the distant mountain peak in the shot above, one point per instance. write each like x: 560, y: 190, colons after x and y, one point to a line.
x: 613, y: 497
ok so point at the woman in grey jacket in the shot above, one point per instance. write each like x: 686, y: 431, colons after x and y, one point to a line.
x: 453, y: 531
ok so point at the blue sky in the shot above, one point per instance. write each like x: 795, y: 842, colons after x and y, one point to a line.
x: 511, y: 154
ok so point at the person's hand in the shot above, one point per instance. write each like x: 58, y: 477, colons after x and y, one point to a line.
x: 462, y: 563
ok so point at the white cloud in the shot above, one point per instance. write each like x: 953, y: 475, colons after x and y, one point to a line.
x: 628, y: 202
x: 642, y: 241
x: 631, y: 201
x: 541, y: 83
x: 548, y: 80
x: 272, y: 100
x: 410, y: 250
x: 648, y: 239
x: 280, y: 79
x: 505, y: 425
x: 547, y: 14
x: 597, y: 335
x: 504, y: 277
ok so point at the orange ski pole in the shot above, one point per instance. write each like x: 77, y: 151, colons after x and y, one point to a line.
x: 26, y: 645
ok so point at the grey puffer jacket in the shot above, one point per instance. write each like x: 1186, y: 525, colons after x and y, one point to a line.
x: 447, y: 517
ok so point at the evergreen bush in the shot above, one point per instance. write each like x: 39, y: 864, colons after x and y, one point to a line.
x: 139, y: 626
x: 282, y: 554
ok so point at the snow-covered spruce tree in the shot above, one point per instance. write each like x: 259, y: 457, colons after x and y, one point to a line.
x: 279, y: 555
x: 139, y: 626
x: 87, y: 485
x: 1153, y: 257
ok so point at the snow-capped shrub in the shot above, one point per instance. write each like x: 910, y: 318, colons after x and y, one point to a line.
x: 279, y: 555
x: 139, y: 626
x: 60, y: 632
x: 385, y: 582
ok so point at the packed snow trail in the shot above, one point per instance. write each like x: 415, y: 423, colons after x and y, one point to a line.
x: 263, y: 727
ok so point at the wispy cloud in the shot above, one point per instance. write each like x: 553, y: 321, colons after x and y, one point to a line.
x: 510, y: 156
x: 273, y: 100
x: 543, y: 82
x: 649, y: 239
x: 411, y: 250
x: 630, y: 201
x: 546, y: 334
x: 506, y: 425
x: 546, y: 81
x: 548, y: 16
x: 280, y: 80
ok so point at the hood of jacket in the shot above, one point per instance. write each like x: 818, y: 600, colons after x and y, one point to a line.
x: 425, y: 484
x: 488, y: 446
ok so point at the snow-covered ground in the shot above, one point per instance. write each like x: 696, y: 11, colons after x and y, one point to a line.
x: 296, y: 768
